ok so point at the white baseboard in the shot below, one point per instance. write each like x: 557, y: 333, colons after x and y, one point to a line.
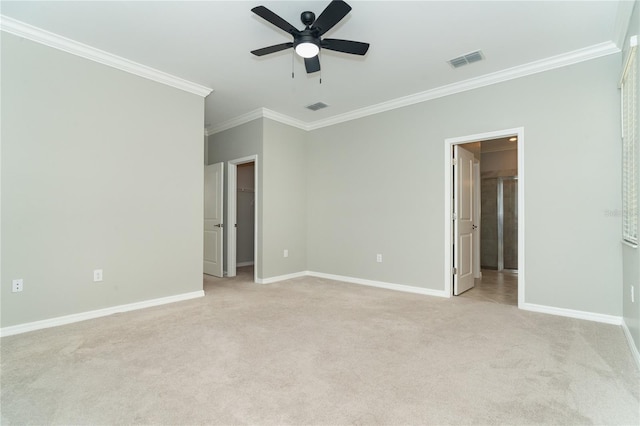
x: 589, y: 316
x: 632, y: 344
x: 241, y: 264
x: 381, y: 284
x: 68, y: 319
x: 352, y: 280
x: 281, y: 278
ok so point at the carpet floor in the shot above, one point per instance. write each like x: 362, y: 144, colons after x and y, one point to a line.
x: 311, y: 351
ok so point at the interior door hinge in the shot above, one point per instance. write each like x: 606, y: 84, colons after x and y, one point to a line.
x: 454, y: 161
x: 454, y: 216
x: 454, y: 271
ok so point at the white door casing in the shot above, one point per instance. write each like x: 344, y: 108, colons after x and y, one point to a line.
x: 213, y: 225
x: 476, y: 220
x: 449, y: 143
x: 463, y: 223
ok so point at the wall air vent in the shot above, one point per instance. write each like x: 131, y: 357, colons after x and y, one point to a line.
x: 469, y: 58
x: 316, y: 106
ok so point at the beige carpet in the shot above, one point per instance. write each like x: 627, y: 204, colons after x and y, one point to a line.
x: 315, y: 351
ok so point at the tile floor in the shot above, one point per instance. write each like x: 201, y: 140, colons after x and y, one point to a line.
x: 495, y: 286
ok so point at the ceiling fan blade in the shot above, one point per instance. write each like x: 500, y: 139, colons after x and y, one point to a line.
x: 331, y: 15
x: 312, y: 64
x: 345, y: 46
x: 269, y: 16
x: 272, y: 49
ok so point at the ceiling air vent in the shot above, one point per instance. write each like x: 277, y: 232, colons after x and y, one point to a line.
x: 316, y: 106
x: 469, y: 58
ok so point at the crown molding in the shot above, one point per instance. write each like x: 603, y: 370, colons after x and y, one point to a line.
x: 551, y: 63
x: 252, y: 115
x: 554, y: 62
x: 237, y: 121
x: 59, y: 42
x: 285, y: 119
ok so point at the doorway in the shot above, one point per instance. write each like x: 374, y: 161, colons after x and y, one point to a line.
x: 495, y: 242
x: 242, y: 208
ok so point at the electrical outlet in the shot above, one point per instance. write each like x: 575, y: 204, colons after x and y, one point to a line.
x: 17, y: 285
x: 97, y: 275
x: 379, y: 258
x: 286, y: 253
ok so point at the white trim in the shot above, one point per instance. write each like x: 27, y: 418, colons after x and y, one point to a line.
x: 68, y: 45
x: 285, y: 119
x: 281, y: 278
x: 477, y: 219
x: 232, y: 217
x: 234, y: 122
x: 571, y: 313
x: 83, y: 316
x: 547, y: 64
x: 380, y: 284
x: 253, y: 115
x: 632, y: 345
x: 558, y: 61
x: 241, y: 264
x: 56, y: 41
x: 448, y: 209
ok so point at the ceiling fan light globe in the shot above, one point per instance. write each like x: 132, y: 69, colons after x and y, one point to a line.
x: 307, y: 50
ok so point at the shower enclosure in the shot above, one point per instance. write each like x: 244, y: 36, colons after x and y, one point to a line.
x: 499, y: 223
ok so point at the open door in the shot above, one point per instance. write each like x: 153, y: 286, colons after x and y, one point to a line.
x: 213, y: 226
x: 463, y: 220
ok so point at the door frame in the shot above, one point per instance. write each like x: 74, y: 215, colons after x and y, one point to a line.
x: 448, y: 204
x: 477, y: 273
x: 232, y: 187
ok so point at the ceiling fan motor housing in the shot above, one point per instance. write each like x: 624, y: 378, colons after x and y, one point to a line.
x: 307, y: 18
x: 306, y: 36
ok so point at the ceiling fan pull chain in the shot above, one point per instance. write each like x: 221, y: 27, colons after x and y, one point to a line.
x: 292, y: 59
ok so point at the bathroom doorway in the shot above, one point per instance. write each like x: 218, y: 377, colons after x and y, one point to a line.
x: 498, y: 220
x: 498, y: 281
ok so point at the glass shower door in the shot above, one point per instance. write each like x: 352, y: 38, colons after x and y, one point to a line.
x: 499, y: 223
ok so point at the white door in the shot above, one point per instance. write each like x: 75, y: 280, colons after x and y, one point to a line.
x: 213, y: 226
x: 464, y: 228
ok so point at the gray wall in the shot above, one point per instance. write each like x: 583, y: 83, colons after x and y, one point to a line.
x: 376, y: 185
x: 631, y: 256
x: 281, y: 189
x: 285, y: 199
x: 100, y: 170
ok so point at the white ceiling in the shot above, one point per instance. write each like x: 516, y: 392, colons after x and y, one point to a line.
x: 208, y: 42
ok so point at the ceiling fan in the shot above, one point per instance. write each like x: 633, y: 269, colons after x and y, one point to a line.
x: 308, y: 42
